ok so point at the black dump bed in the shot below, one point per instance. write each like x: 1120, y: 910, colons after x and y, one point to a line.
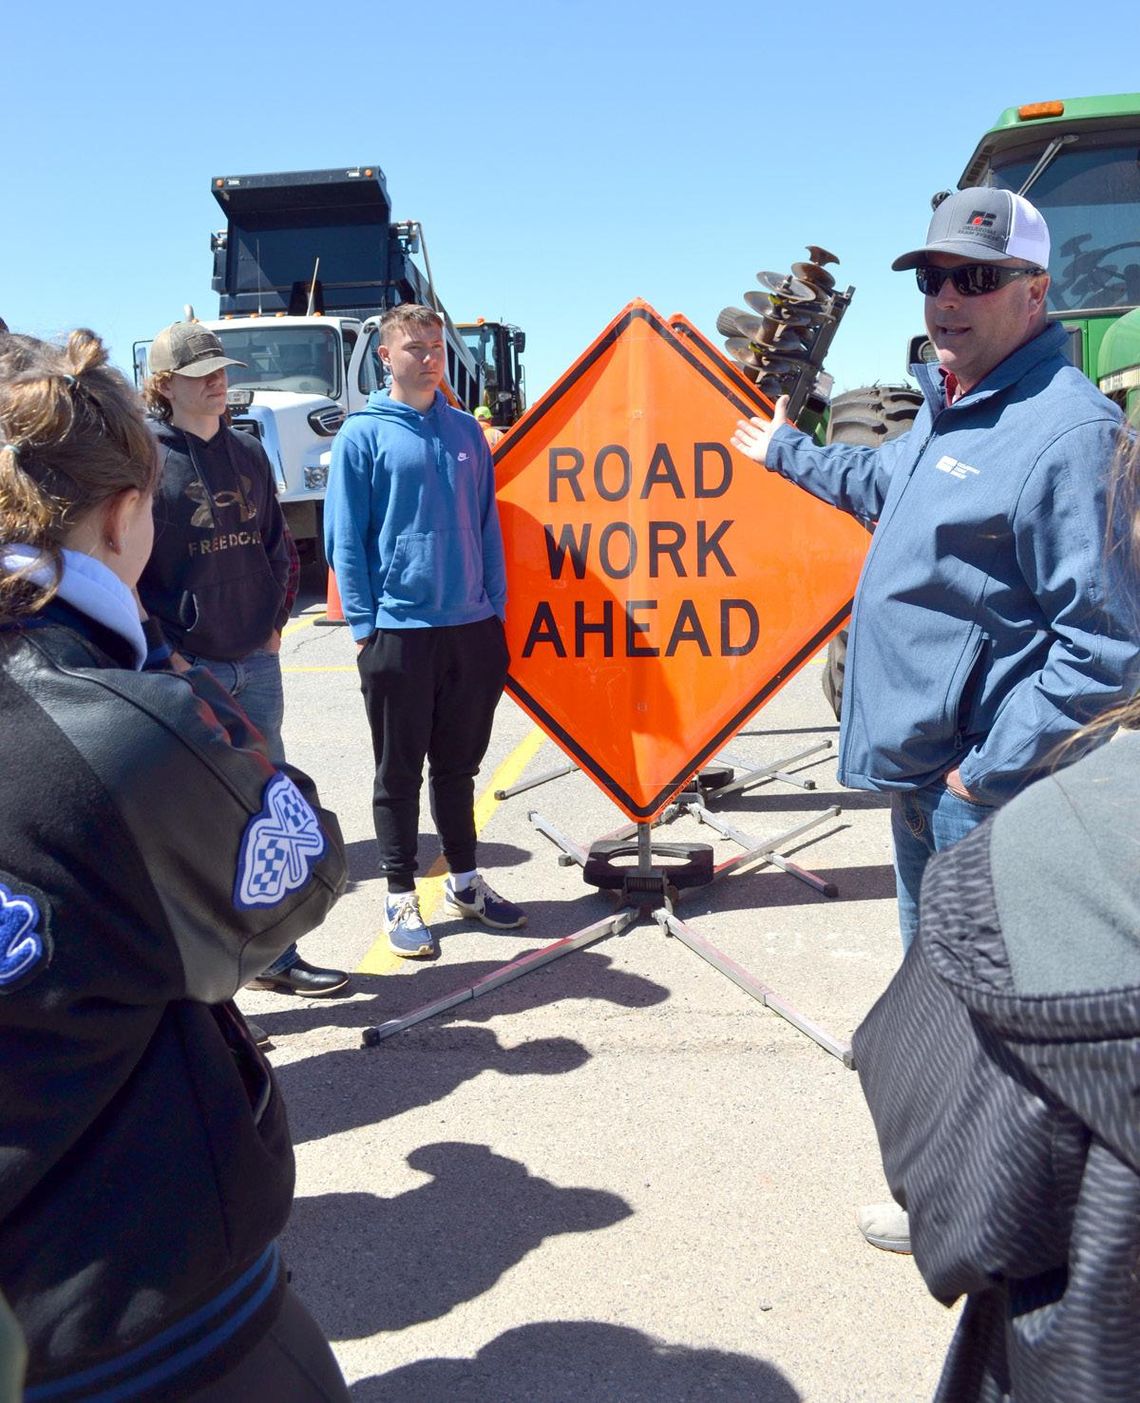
x: 278, y: 225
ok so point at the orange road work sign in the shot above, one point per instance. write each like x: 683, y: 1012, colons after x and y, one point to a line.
x: 661, y: 587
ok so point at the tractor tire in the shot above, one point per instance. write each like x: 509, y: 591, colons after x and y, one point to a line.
x: 872, y: 415
x: 867, y: 418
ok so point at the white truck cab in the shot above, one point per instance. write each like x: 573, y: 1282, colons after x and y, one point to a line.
x: 301, y: 376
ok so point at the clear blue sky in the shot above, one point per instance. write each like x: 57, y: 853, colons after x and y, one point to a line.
x: 563, y: 156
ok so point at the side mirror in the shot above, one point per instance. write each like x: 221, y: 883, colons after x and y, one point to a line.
x: 520, y: 341
x: 920, y: 348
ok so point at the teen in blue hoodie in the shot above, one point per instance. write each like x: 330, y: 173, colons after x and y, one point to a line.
x: 412, y: 534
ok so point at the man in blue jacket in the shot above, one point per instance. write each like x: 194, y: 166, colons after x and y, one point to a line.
x: 412, y: 534
x: 985, y: 629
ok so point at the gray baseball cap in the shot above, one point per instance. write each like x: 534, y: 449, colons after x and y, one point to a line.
x: 986, y: 224
x: 187, y: 348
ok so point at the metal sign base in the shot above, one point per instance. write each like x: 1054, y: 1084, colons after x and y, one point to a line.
x: 647, y: 889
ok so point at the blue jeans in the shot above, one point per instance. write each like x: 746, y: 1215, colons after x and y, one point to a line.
x: 255, y: 683
x: 924, y: 822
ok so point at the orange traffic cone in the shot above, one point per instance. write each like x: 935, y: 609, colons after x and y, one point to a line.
x: 334, y: 611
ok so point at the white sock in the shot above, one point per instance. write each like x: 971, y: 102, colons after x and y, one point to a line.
x: 460, y: 881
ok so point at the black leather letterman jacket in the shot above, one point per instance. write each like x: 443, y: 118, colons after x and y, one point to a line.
x: 148, y: 868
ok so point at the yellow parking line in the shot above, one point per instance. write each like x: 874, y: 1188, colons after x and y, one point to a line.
x: 305, y: 621
x: 380, y: 959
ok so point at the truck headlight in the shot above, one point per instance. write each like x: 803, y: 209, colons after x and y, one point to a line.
x: 316, y: 476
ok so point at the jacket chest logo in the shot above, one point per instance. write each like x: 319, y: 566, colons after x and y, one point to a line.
x: 946, y: 464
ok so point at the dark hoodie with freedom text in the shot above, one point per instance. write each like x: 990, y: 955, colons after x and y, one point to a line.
x: 217, y: 577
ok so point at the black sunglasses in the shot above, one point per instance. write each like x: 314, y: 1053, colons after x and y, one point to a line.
x: 971, y: 280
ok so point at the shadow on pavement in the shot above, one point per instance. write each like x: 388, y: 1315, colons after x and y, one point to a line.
x: 379, y: 1263
x: 766, y: 888
x: 581, y: 1362
x: 778, y: 798
x: 584, y: 974
x: 494, y: 858
x: 336, y: 1091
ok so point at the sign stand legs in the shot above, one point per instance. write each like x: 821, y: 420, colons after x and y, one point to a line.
x: 648, y: 887
x: 751, y: 985
x: 612, y: 925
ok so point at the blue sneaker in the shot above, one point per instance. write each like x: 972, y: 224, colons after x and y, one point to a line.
x: 407, y: 934
x: 480, y: 903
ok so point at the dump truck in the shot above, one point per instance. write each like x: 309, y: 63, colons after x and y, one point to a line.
x: 305, y: 266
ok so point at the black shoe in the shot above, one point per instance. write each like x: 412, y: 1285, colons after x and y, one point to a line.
x: 258, y: 1034
x: 306, y: 980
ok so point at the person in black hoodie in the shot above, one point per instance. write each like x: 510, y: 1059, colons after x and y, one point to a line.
x: 218, y: 576
x: 154, y: 858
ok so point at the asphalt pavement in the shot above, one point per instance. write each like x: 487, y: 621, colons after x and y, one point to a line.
x: 620, y: 1177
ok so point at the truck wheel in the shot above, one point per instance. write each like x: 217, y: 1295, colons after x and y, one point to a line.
x: 866, y: 417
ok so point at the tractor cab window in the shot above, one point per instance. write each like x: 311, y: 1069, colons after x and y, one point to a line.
x: 478, y: 340
x: 1090, y: 197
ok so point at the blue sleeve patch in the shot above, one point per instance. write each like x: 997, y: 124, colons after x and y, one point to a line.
x: 24, y: 947
x: 281, y: 846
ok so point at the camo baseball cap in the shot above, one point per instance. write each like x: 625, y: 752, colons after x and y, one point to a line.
x: 987, y: 225
x: 187, y: 348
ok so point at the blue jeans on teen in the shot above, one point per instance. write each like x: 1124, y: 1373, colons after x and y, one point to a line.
x: 924, y: 822
x: 255, y: 684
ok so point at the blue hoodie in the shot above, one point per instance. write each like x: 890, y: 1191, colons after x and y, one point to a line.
x: 411, y: 528
x: 985, y: 629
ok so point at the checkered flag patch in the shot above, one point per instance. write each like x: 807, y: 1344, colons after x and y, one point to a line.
x: 280, y: 848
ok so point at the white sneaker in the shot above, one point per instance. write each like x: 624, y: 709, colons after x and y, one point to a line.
x: 885, y: 1225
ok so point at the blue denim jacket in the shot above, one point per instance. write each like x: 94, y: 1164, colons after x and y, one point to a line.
x: 986, y: 628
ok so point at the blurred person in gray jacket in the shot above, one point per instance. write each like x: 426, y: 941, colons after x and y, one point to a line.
x: 1002, y: 1068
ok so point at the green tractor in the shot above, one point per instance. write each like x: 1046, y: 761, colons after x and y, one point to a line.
x: 1078, y: 161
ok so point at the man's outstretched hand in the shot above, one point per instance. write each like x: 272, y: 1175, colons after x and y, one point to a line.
x: 752, y: 436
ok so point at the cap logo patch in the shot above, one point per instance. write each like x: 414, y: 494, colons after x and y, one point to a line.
x: 281, y: 846
x: 22, y: 946
x: 983, y: 219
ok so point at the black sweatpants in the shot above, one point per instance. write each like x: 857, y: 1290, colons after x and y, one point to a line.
x: 430, y: 693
